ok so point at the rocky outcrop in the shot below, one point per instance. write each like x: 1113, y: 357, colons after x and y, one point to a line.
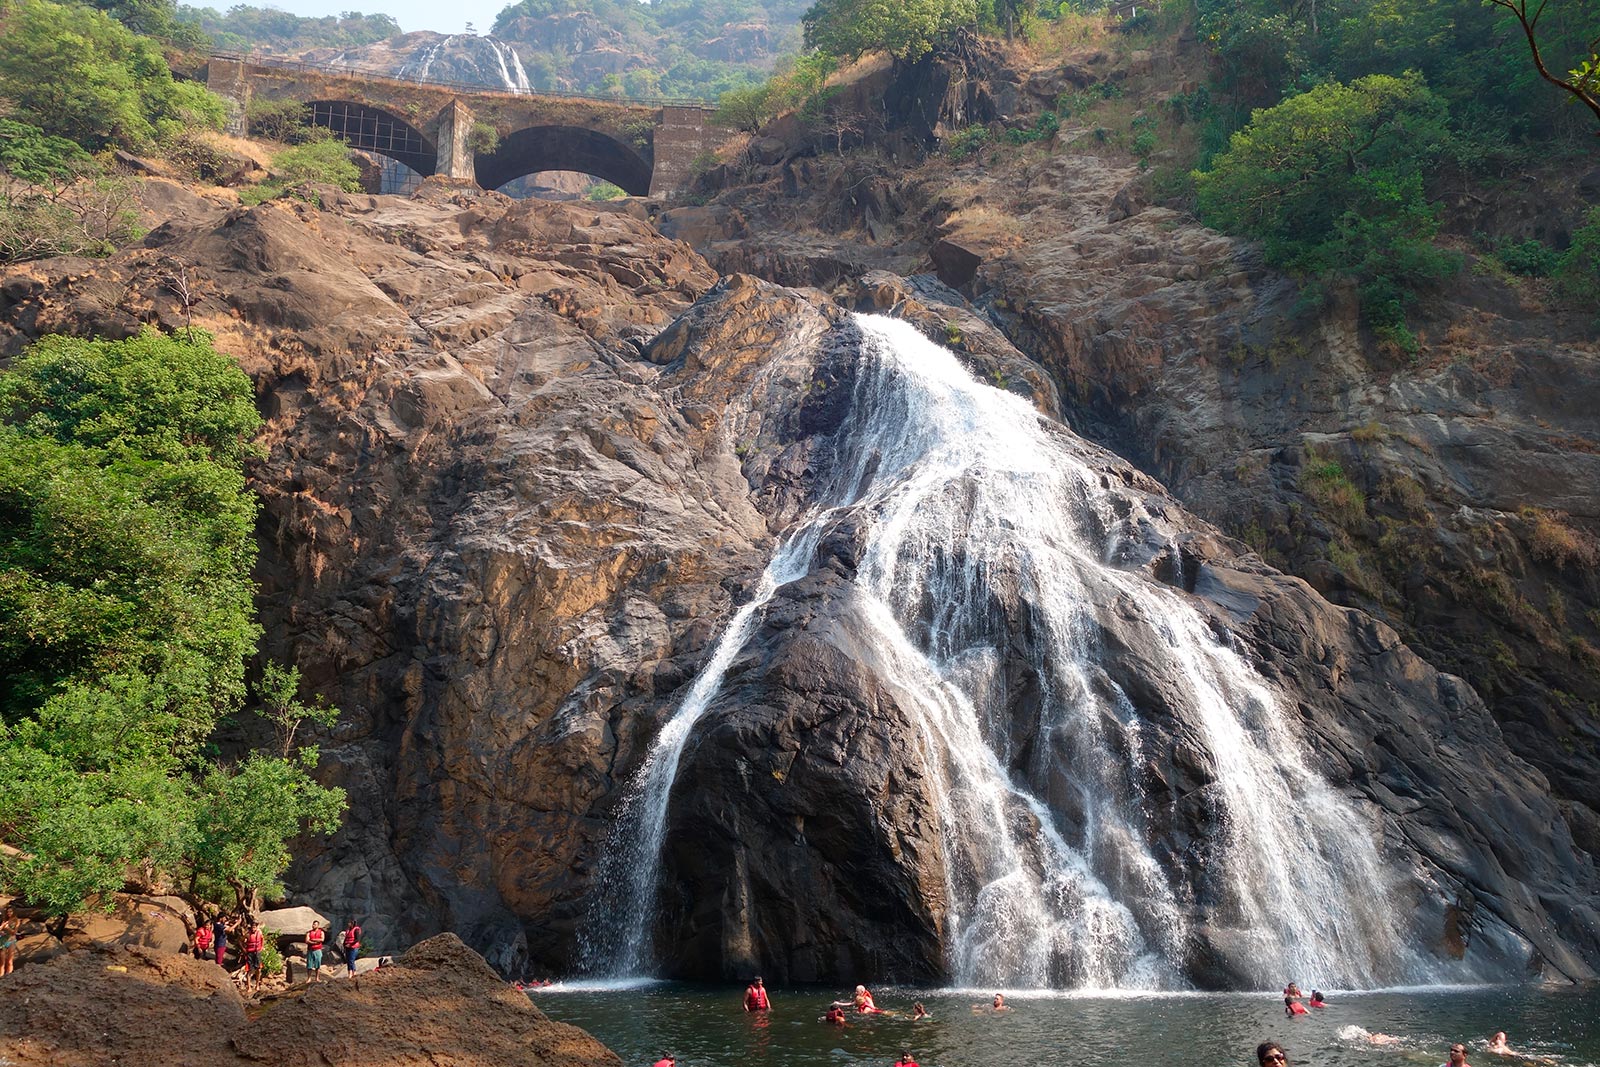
x: 524, y: 460
x: 439, y: 1003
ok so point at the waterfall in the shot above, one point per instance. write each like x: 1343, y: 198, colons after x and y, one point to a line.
x: 991, y: 547
x: 418, y: 71
x: 517, y: 84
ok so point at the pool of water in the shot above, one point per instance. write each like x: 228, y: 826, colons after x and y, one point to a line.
x: 706, y: 1027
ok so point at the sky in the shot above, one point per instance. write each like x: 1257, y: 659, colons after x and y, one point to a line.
x: 411, y: 14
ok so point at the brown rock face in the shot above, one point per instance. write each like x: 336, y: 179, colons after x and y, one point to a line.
x: 525, y: 460
x: 439, y: 1003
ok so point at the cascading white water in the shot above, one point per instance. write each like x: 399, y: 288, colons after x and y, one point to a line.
x: 517, y: 83
x: 418, y: 70
x: 986, y: 552
x: 616, y: 943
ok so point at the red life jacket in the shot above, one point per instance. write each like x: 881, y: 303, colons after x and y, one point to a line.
x: 253, y: 941
x: 202, y: 938
x: 352, y: 937
x: 315, y: 938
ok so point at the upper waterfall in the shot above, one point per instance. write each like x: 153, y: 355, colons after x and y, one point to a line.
x: 992, y: 552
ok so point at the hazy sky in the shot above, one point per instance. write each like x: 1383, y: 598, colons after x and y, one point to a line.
x: 411, y: 14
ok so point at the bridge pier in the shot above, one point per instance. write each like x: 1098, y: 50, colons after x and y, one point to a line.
x: 454, y: 126
x: 680, y: 140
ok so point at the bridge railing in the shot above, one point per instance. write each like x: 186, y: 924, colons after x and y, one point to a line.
x: 477, y: 88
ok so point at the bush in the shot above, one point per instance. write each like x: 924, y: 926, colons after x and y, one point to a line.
x: 483, y: 138
x: 1330, y: 182
x: 294, y: 170
x: 1043, y: 128
x: 963, y: 143
x: 1578, y: 274
x: 1531, y: 258
x: 605, y: 191
x: 54, y: 200
x: 288, y: 121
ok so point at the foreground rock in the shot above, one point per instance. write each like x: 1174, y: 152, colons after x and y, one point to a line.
x: 439, y: 1003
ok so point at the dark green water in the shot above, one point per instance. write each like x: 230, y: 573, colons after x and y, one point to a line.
x: 706, y: 1027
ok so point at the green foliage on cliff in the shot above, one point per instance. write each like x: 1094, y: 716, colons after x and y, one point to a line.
x: 244, y: 27
x: 126, y: 619
x: 1473, y: 55
x: 1330, y: 181
x: 76, y: 73
x: 906, y: 29
x: 1578, y: 274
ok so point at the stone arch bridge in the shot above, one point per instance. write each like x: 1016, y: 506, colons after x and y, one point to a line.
x: 644, y: 147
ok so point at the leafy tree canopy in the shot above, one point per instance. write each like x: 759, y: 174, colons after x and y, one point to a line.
x: 1330, y: 181
x: 126, y: 618
x: 76, y: 73
x: 906, y: 29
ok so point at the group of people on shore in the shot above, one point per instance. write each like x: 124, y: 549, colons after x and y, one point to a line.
x: 211, y: 942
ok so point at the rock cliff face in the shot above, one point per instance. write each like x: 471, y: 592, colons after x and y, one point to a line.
x: 525, y: 459
x: 1451, y: 496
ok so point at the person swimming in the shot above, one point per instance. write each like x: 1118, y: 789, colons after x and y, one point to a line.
x: 864, y: 1002
x: 1292, y: 1006
x: 835, y: 1016
x: 1498, y: 1045
x: 1356, y: 1033
x: 919, y: 1012
x: 1316, y: 999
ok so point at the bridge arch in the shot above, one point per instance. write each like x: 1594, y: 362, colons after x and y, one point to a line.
x: 372, y: 129
x: 538, y: 148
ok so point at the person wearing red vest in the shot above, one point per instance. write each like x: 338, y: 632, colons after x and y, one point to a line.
x: 202, y: 939
x: 351, y: 943
x: 755, y: 997
x: 314, y: 941
x: 254, y: 943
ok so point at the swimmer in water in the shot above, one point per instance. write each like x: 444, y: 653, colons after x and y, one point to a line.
x: 835, y: 1016
x: 1270, y: 1054
x: 1316, y: 999
x: 919, y: 1012
x: 1356, y: 1033
x: 1498, y: 1046
x: 1458, y: 1056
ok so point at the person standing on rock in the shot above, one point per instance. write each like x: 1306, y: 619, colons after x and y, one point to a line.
x: 219, y: 940
x: 314, y: 939
x: 350, y: 941
x: 255, y: 942
x: 755, y: 997
x: 202, y: 939
x: 10, y: 928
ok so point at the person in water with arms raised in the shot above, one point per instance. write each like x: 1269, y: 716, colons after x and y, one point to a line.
x: 755, y: 996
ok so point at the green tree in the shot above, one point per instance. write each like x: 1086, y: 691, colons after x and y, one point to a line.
x: 126, y: 619
x: 1330, y: 182
x: 906, y: 29
x: 76, y: 73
